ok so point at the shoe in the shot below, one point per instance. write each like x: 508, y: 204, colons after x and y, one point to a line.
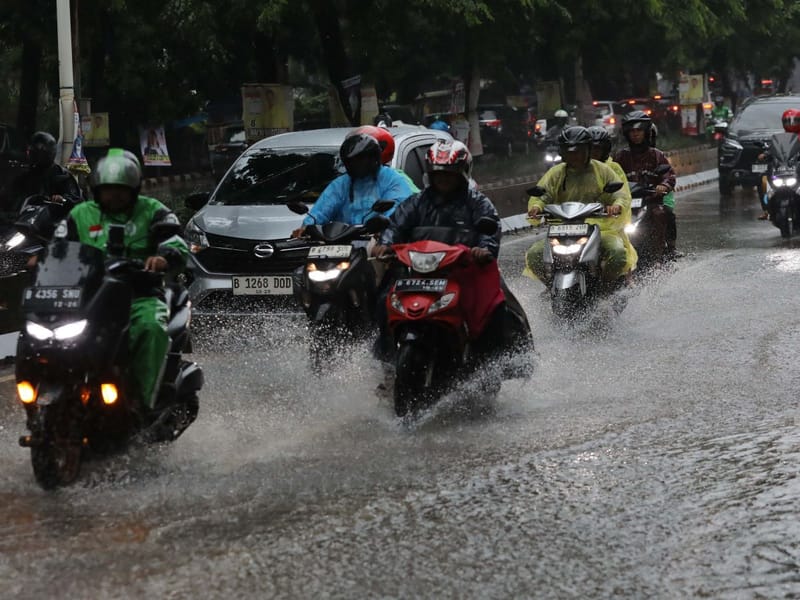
x: 763, y: 216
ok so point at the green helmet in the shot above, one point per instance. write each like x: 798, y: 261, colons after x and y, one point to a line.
x: 118, y: 167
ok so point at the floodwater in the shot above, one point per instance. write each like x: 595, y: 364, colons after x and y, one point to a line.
x: 654, y: 457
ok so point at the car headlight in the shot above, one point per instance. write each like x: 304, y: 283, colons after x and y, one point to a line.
x: 64, y: 332
x: 320, y: 275
x: 196, y: 237
x: 425, y: 262
x: 731, y: 145
x: 15, y: 241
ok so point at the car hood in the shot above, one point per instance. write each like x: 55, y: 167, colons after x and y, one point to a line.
x: 747, y: 135
x: 260, y: 222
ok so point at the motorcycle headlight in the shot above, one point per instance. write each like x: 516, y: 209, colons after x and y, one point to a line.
x: 777, y: 181
x: 195, y: 237
x: 396, y: 304
x: 425, y: 262
x: 37, y: 331
x: 319, y: 275
x: 441, y: 303
x: 565, y: 250
x: 70, y: 330
x: 15, y: 241
x: 790, y: 181
x: 630, y: 228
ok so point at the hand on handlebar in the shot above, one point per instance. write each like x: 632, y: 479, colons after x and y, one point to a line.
x: 481, y: 256
x: 662, y: 190
x: 381, y: 252
x: 534, y: 212
x: 298, y: 232
x: 613, y: 210
x: 156, y: 264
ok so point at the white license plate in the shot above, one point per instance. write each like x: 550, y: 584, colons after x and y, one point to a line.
x: 636, y: 203
x: 581, y: 229
x: 329, y: 251
x: 759, y: 168
x: 261, y: 285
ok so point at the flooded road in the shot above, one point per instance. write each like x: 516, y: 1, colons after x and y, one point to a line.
x: 657, y: 458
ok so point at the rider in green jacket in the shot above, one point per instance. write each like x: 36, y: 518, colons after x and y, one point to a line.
x: 151, y: 235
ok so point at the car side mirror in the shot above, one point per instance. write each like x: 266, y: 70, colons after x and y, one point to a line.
x: 197, y: 200
x: 297, y: 207
x: 486, y: 226
x: 613, y: 186
x: 376, y: 224
x: 115, y: 246
x: 381, y: 206
x: 536, y: 191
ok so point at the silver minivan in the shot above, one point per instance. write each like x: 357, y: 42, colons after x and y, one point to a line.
x: 241, y: 256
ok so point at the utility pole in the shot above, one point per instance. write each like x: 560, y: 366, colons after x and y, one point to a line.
x: 66, y: 84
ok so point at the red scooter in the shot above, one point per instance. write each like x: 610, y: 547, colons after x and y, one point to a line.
x: 441, y: 315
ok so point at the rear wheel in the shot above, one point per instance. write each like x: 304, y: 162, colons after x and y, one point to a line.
x: 56, y: 459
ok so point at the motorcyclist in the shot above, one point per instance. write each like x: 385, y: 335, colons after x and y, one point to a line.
x: 349, y: 197
x: 579, y: 178
x: 720, y: 111
x: 386, y: 142
x: 601, y: 151
x: 790, y: 119
x: 642, y: 155
x: 560, y: 120
x: 43, y: 177
x: 151, y: 235
x: 439, y: 124
x: 448, y: 201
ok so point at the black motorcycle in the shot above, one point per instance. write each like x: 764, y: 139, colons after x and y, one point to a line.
x: 783, y: 191
x: 337, y: 286
x: 72, y: 359
x: 648, y: 227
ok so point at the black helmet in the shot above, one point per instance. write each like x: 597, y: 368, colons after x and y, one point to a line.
x: 600, y: 139
x: 573, y: 137
x: 637, y: 119
x: 361, y: 145
x: 42, y: 149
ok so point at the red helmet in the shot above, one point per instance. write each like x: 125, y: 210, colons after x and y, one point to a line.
x: 791, y: 121
x: 451, y: 156
x: 384, y: 138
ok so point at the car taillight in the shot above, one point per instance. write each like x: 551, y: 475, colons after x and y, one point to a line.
x: 610, y: 121
x: 492, y: 123
x: 648, y: 112
x: 674, y: 108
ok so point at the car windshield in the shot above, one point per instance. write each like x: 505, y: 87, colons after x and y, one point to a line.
x: 602, y: 110
x: 763, y: 115
x: 277, y: 176
x: 488, y: 115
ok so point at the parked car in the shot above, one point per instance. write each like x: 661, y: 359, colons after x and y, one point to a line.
x: 504, y: 129
x: 607, y: 114
x: 241, y: 258
x: 747, y: 137
x: 224, y: 153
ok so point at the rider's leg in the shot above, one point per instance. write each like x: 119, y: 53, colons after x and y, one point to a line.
x: 149, y: 343
x: 534, y: 260
x: 614, y: 255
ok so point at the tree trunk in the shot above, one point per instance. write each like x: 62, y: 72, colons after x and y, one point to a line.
x: 583, y: 95
x: 334, y: 54
x: 29, y: 87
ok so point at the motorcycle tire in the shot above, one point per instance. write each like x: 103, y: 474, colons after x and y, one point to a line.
x: 56, y: 459
x: 414, y: 373
x: 566, y: 304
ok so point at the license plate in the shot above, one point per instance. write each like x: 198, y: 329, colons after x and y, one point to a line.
x: 261, y: 285
x: 420, y: 285
x: 329, y: 251
x: 759, y: 168
x: 636, y: 203
x: 52, y: 298
x: 581, y: 229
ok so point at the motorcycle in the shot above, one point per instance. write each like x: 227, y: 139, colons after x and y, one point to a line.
x: 551, y: 156
x: 783, y: 192
x: 72, y: 359
x: 572, y: 254
x: 337, y: 286
x: 718, y: 130
x: 442, y: 311
x: 648, y: 227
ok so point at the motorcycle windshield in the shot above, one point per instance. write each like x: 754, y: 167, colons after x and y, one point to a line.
x: 445, y: 235
x: 573, y: 210
x: 70, y: 264
x: 785, y: 149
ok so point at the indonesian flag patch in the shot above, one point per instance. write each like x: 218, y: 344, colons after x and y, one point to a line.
x: 95, y: 231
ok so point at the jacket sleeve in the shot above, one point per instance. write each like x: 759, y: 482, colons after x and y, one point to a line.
x: 669, y: 177
x: 403, y: 220
x: 66, y: 187
x: 483, y: 207
x: 549, y: 182
x: 329, y: 201
x: 165, y: 230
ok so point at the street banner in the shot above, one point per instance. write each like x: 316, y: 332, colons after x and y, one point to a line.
x: 369, y: 104
x: 458, y: 103
x: 691, y: 89
x: 95, y: 130
x: 352, y: 89
x: 154, y: 147
x: 267, y: 109
x: 76, y: 163
x: 548, y: 95
x: 459, y: 128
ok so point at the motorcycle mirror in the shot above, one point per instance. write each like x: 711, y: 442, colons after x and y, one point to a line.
x: 376, y: 224
x: 486, y: 226
x: 613, y: 186
x: 536, y: 191
x: 381, y: 206
x: 297, y: 207
x: 116, y: 240
x: 197, y: 200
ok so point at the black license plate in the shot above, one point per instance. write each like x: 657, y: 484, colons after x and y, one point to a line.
x: 420, y: 285
x: 52, y: 298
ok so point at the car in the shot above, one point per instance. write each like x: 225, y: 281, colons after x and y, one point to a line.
x: 607, y: 114
x: 648, y: 106
x: 747, y: 137
x: 241, y: 260
x: 223, y: 154
x: 504, y: 129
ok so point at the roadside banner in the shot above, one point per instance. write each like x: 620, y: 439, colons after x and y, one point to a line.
x: 95, y: 130
x: 458, y: 104
x: 267, y: 109
x: 691, y: 89
x: 76, y: 163
x: 369, y: 104
x: 154, y: 147
x: 548, y: 95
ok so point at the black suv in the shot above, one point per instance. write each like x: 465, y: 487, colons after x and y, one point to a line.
x: 747, y: 137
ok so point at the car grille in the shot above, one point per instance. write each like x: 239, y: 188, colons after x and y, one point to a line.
x: 233, y: 255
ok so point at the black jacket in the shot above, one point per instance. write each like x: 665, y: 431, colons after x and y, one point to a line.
x: 53, y: 180
x: 429, y: 215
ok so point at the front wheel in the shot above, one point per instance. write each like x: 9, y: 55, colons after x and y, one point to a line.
x: 413, y: 386
x: 56, y: 458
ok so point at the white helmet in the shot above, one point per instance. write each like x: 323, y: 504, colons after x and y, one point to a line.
x: 561, y: 114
